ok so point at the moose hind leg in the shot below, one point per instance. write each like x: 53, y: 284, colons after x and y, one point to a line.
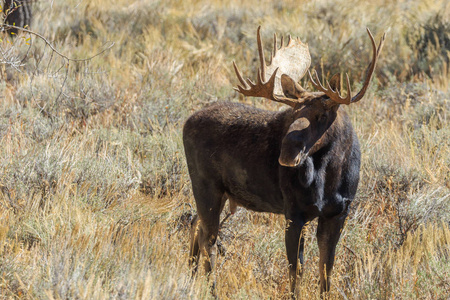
x: 205, y: 227
x: 194, y: 251
x: 328, y: 234
x: 207, y: 241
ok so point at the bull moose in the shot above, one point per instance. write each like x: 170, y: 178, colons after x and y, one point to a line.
x: 302, y: 162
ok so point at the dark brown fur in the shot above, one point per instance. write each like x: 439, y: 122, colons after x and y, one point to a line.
x: 233, y: 151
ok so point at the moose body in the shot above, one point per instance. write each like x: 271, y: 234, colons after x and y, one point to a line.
x: 232, y: 152
x: 236, y: 147
x: 302, y: 162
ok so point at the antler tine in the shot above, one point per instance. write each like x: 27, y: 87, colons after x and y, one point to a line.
x: 317, y: 84
x: 261, y: 54
x: 261, y: 88
x: 339, y: 99
x: 349, y: 89
x: 275, y: 46
x: 239, y: 76
x: 371, y: 67
x: 335, y: 95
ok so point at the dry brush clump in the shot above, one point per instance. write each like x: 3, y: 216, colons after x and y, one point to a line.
x: 95, y: 201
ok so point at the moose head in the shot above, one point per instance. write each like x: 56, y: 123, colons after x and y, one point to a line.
x: 313, y: 112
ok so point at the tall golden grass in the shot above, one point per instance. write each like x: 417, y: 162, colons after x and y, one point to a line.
x: 95, y: 200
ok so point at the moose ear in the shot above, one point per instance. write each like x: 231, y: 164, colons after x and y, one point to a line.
x: 335, y: 82
x: 291, y: 89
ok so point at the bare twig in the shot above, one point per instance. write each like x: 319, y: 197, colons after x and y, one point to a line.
x: 7, y: 26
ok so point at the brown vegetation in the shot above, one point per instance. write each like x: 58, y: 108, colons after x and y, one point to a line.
x: 95, y: 199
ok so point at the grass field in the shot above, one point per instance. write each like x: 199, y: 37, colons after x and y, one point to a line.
x: 95, y: 199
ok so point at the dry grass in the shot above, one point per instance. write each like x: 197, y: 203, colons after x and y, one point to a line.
x: 95, y: 200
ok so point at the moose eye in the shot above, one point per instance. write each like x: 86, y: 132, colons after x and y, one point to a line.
x: 322, y: 117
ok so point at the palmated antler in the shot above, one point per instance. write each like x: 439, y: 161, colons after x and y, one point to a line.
x: 292, y: 60
x: 335, y: 95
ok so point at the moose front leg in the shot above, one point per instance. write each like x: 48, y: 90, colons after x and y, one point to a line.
x: 328, y: 234
x: 294, y: 248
